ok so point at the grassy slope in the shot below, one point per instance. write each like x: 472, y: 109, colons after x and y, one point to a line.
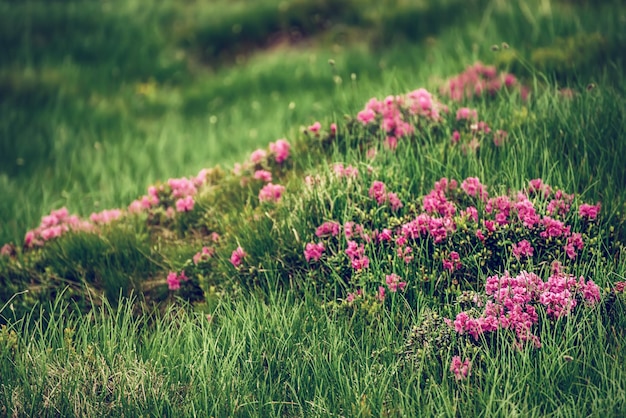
x: 281, y: 354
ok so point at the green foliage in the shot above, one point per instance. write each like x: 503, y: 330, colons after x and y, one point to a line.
x: 100, y: 100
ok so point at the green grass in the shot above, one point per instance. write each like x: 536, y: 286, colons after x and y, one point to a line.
x: 101, y: 100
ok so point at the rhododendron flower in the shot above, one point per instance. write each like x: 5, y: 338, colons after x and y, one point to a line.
x: 589, y: 211
x: 466, y: 113
x: 522, y: 249
x: 173, y: 283
x: 185, y: 204
x: 394, y: 282
x: 263, y: 175
x: 453, y: 262
x: 258, y: 156
x: 391, y: 142
x: 271, y: 193
x: 313, y: 251
x: 315, y: 128
x: 330, y: 228
x: 461, y: 369
x: 203, y: 255
x: 473, y: 187
x: 6, y: 250
x: 280, y: 149
x: 182, y: 187
x: 105, y: 216
x: 377, y: 192
x: 366, y: 116
x: 347, y: 171
x: 574, y: 242
x: 237, y: 256
x: 353, y: 295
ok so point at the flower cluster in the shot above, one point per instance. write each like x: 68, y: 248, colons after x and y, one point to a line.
x: 456, y: 232
x: 512, y: 303
x: 271, y: 193
x: 478, y: 80
x: 379, y: 193
x: 54, y: 225
x: 174, y: 279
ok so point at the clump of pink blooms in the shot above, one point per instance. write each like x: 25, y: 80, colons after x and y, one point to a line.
x: 348, y: 171
x: 313, y: 251
x: 174, y: 279
x: 453, y: 224
x: 54, y: 225
x: 460, y: 369
x: 271, y: 193
x: 479, y: 80
x: 379, y: 193
x: 512, y: 304
x: 394, y: 282
x: 396, y: 115
x: 204, y: 254
x: 237, y: 256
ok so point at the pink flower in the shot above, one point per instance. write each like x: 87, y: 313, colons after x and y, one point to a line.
x: 366, y: 116
x: 394, y: 282
x: 620, y: 287
x: 466, y: 113
x: 329, y: 228
x: 257, y: 156
x: 474, y: 188
x: 182, y: 187
x: 172, y: 281
x: 315, y: 128
x: 185, y: 204
x: 381, y: 294
x: 313, y: 251
x: 377, y: 192
x: 203, y: 255
x: 453, y: 262
x: 589, y: 211
x: 106, y: 216
x: 456, y: 136
x: 333, y: 128
x: 6, y: 250
x: 280, y: 149
x: 237, y: 256
x: 263, y: 175
x: 461, y: 369
x: 522, y: 249
x: 271, y: 193
x: 391, y: 142
x: 394, y: 201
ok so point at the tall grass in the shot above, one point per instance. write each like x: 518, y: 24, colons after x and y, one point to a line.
x: 99, y: 101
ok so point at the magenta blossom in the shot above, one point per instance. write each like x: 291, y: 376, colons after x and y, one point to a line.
x: 185, y: 204
x: 522, y: 249
x: 280, y: 150
x: 394, y: 282
x: 263, y: 175
x: 589, y: 211
x: 258, y: 156
x: 313, y: 251
x: 237, y: 256
x: 461, y: 369
x: 271, y: 193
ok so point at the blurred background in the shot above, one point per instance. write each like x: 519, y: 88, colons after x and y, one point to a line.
x: 100, y: 98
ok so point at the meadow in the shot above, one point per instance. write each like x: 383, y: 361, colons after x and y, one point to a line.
x: 312, y: 208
